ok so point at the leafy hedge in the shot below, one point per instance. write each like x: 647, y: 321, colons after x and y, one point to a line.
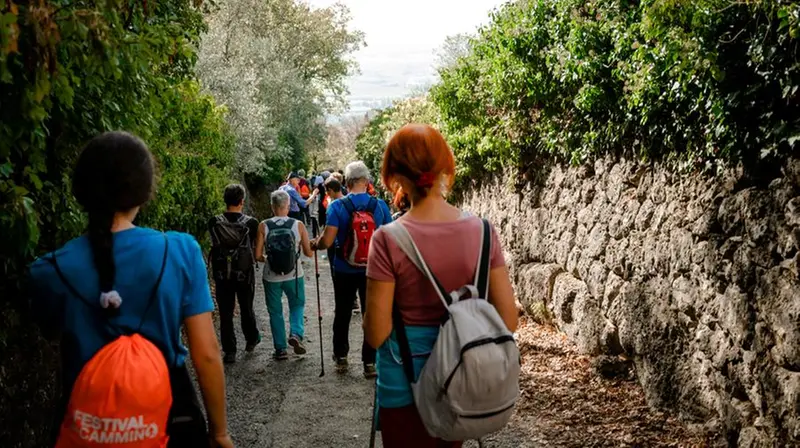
x: 701, y: 83
x: 68, y: 71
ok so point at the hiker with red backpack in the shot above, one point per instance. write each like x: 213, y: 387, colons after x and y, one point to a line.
x: 233, y: 261
x: 351, y: 222
x: 448, y: 367
x: 118, y: 297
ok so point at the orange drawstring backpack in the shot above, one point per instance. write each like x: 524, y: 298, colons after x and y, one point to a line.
x: 122, y: 396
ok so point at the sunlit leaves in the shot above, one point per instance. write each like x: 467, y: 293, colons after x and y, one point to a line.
x: 278, y: 66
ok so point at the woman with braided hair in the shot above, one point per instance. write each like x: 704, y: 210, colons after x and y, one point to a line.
x: 122, y: 278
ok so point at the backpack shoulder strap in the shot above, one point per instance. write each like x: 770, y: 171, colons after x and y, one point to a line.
x: 154, y: 293
x: 348, y: 205
x: 403, y: 239
x: 242, y: 219
x: 482, y: 269
x: 271, y: 225
x: 372, y: 205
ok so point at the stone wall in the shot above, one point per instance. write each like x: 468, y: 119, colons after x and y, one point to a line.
x: 695, y: 278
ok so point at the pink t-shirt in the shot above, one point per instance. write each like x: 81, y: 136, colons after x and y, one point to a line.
x: 451, y: 251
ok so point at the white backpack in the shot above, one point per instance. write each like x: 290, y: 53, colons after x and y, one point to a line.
x: 470, y: 383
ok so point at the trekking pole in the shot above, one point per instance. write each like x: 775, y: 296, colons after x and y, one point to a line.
x: 319, y: 314
x: 374, y: 428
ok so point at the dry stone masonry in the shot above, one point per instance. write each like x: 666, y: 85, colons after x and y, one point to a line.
x: 693, y: 277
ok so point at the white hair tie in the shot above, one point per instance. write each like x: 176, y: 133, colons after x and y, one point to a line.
x: 110, y: 298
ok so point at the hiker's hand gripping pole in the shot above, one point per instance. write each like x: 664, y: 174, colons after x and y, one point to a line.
x: 319, y: 315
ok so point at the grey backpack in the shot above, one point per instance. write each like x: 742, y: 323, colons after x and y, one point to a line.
x: 470, y: 382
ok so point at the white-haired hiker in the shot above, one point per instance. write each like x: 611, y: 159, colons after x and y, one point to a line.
x: 280, y: 241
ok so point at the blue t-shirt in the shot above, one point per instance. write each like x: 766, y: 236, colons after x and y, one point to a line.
x: 339, y: 217
x: 138, y: 255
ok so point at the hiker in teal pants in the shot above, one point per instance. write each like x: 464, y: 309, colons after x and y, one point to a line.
x: 280, y: 241
x: 274, y: 292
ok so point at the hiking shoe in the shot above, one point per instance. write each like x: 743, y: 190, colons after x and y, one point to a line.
x: 280, y: 355
x: 370, y: 371
x: 229, y: 358
x: 341, y: 364
x: 297, y: 344
x: 252, y: 345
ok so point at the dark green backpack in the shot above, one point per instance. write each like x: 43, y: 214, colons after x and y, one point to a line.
x: 281, y: 246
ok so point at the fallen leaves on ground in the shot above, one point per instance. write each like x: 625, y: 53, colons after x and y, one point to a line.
x: 569, y: 404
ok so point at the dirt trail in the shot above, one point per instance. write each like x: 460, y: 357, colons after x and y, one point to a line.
x: 286, y: 405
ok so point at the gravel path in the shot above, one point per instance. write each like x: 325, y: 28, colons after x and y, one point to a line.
x: 287, y: 405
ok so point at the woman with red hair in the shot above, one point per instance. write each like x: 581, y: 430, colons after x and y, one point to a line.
x: 418, y: 167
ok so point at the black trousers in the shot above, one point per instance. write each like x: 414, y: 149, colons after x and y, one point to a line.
x: 296, y: 215
x: 346, y: 286
x: 331, y: 261
x: 228, y: 291
x: 187, y: 423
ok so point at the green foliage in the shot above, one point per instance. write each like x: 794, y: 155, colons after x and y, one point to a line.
x: 374, y: 137
x: 279, y: 66
x: 194, y: 153
x: 68, y: 71
x: 700, y: 82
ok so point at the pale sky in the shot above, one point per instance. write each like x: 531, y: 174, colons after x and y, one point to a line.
x: 402, y: 38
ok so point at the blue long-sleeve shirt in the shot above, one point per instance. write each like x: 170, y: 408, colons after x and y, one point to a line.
x: 297, y: 202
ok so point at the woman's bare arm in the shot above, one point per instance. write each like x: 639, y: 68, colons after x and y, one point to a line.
x: 501, y: 295
x: 378, y: 318
x: 204, y: 350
